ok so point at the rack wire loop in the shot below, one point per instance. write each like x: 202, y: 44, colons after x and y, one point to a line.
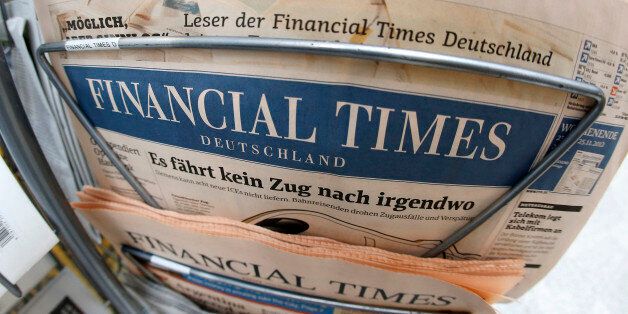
x: 377, y: 53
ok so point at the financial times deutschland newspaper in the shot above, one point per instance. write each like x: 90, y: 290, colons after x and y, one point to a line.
x: 369, y: 153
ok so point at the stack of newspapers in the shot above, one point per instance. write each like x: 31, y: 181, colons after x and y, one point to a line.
x: 303, y: 264
x: 293, y: 182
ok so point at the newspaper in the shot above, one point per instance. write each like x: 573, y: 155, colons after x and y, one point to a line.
x: 212, y: 296
x: 265, y: 265
x: 369, y: 153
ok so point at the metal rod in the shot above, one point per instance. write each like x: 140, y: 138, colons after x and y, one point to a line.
x: 377, y: 53
x: 29, y: 158
x: 91, y: 130
x: 11, y: 287
x: 367, y: 52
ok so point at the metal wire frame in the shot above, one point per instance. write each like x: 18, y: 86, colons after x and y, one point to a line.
x: 337, y: 49
x: 403, y: 56
x: 24, y: 149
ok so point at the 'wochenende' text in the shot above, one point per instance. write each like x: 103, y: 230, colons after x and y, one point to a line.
x: 474, y: 138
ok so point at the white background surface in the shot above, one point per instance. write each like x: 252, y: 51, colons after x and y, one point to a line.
x: 592, y: 276
x: 32, y: 238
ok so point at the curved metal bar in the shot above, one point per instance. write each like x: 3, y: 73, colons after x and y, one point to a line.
x: 91, y: 130
x: 11, y: 287
x: 23, y: 147
x: 376, y: 53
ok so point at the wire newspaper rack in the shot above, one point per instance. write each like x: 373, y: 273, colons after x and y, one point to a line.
x: 28, y: 156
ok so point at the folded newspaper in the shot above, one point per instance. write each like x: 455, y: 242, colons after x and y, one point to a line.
x: 370, y: 153
x: 303, y: 264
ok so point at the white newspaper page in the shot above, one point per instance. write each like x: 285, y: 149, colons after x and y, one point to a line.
x: 369, y: 153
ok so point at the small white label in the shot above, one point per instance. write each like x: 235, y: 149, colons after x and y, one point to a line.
x: 92, y: 44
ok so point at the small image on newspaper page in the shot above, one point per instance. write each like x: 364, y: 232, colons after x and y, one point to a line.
x: 581, y: 174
